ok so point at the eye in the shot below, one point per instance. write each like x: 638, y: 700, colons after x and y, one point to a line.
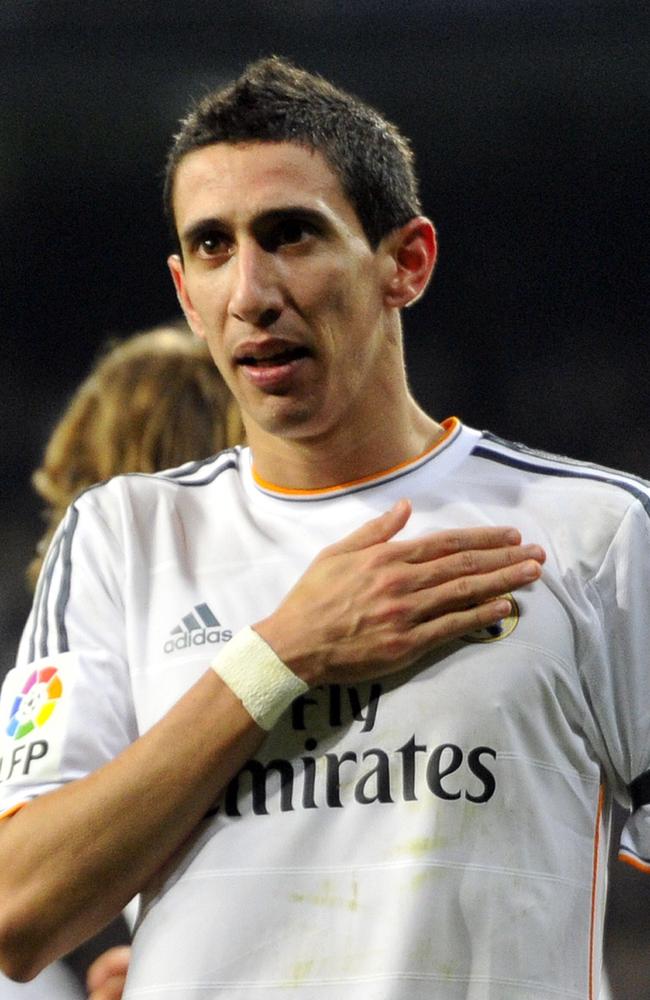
x: 291, y: 231
x: 287, y: 232
x: 213, y: 244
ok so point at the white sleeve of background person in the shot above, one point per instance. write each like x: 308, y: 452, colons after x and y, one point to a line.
x: 56, y: 982
x: 65, y: 708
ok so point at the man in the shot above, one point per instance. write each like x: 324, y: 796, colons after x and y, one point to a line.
x: 397, y: 782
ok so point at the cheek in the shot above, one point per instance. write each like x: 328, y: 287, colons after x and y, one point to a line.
x: 343, y: 297
x: 326, y: 284
x: 207, y: 290
x: 208, y: 304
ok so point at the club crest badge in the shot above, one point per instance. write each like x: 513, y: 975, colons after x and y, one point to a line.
x: 500, y: 630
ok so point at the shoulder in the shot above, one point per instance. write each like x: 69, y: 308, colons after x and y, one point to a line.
x: 579, y: 511
x: 565, y: 476
x: 148, y: 510
x: 142, y: 490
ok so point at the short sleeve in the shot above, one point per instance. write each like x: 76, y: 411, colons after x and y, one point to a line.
x: 66, y: 708
x: 618, y: 676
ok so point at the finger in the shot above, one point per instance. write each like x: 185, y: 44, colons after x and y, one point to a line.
x: 439, y: 544
x: 473, y: 562
x: 379, y: 529
x: 456, y: 624
x: 470, y: 592
x: 113, y: 962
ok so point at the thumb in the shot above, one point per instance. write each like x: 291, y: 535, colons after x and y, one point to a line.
x: 379, y: 529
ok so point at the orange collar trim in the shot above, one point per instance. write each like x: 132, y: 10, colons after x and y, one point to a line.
x: 451, y: 425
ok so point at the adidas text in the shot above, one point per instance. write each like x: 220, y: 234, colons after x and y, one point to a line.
x: 198, y: 637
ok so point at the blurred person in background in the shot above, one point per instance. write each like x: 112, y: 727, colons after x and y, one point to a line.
x: 152, y: 401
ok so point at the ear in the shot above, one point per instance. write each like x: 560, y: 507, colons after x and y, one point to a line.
x: 175, y: 265
x: 412, y: 250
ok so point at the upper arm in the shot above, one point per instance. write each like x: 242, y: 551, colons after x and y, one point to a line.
x: 66, y: 707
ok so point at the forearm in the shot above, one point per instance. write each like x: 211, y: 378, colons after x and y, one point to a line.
x: 72, y: 859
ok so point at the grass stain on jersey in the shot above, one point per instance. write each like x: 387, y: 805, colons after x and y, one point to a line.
x: 327, y: 898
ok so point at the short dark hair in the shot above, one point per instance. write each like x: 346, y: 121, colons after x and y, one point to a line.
x: 275, y: 101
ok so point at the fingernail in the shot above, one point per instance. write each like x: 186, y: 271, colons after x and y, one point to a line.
x: 531, y: 570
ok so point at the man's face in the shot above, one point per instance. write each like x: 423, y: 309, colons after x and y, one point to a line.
x: 277, y: 275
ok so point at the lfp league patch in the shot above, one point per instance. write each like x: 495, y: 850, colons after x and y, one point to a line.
x: 34, y: 709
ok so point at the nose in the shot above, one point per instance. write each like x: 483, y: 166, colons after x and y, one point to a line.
x: 256, y: 296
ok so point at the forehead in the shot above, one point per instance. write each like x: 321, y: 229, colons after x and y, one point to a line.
x: 238, y: 181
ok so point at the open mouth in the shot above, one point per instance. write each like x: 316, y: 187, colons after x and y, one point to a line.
x: 270, y: 360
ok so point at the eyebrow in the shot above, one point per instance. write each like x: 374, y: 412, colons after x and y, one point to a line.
x: 194, y: 232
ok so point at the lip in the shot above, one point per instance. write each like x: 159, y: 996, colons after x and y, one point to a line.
x: 263, y: 349
x: 271, y: 364
x: 274, y: 378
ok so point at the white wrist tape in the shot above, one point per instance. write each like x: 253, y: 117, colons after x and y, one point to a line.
x: 262, y: 682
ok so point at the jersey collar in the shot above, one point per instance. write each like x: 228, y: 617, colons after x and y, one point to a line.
x: 452, y: 427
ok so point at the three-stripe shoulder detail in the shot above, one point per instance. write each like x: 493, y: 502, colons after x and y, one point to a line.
x: 205, y: 470
x: 199, y: 473
x: 518, y: 456
x: 50, y: 599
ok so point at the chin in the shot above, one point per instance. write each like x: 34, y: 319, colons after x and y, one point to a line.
x: 286, y: 421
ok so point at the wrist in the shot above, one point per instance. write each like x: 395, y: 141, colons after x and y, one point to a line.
x: 293, y: 648
x: 256, y: 675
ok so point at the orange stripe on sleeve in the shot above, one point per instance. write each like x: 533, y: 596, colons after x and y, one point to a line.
x: 594, y: 889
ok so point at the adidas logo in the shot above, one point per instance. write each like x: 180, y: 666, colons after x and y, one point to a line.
x: 201, y: 626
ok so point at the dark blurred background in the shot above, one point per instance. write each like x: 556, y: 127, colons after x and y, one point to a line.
x: 531, y: 125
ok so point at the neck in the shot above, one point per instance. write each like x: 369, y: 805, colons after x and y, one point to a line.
x: 344, y: 455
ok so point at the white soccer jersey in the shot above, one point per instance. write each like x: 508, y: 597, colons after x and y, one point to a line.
x: 438, y: 834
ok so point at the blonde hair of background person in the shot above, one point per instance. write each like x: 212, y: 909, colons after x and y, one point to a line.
x: 154, y: 401
x: 151, y: 402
